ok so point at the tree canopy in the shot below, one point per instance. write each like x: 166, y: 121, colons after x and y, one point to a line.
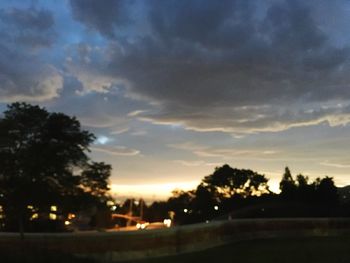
x: 229, y: 181
x: 44, y: 161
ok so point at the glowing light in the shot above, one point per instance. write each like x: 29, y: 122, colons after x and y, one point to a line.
x: 53, y: 208
x: 167, y: 222
x: 71, y: 216
x: 102, y: 140
x: 30, y: 207
x: 67, y: 223
x: 113, y: 208
x: 142, y: 225
x: 216, y: 208
x: 34, y: 216
x: 159, y: 191
x: 110, y: 203
x: 185, y: 210
x: 52, y: 216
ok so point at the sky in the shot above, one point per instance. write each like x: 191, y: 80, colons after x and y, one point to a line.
x: 174, y: 88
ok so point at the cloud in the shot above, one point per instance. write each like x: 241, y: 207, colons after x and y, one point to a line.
x: 30, y: 27
x: 27, y: 78
x: 196, y: 163
x: 104, y: 17
x: 24, y: 74
x: 232, y: 66
x: 95, y: 109
x: 225, y: 153
x: 116, y: 150
x: 91, y: 66
x: 336, y: 165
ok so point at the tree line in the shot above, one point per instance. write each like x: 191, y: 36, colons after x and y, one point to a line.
x: 230, y: 193
x: 47, y: 178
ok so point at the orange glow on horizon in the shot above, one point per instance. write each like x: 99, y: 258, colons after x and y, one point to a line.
x: 153, y: 191
x: 162, y: 191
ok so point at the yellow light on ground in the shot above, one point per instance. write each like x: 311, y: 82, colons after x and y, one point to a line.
x: 67, y: 223
x: 52, y: 216
x: 53, y: 208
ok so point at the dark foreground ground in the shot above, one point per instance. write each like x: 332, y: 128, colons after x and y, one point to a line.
x: 325, y: 249
x: 296, y: 250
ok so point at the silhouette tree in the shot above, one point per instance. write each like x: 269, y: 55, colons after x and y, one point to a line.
x: 327, y: 192
x: 288, y: 186
x: 228, y: 181
x: 305, y: 191
x: 43, y: 161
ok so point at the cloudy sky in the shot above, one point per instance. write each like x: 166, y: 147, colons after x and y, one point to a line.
x: 174, y: 88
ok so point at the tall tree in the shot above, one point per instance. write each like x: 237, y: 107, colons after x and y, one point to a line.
x: 43, y: 160
x: 287, y: 185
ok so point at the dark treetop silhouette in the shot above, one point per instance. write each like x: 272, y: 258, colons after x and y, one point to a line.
x: 43, y: 160
x: 241, y: 193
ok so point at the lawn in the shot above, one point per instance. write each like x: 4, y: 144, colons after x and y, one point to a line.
x: 286, y: 250
x: 296, y: 250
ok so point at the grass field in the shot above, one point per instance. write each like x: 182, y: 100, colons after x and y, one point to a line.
x: 296, y: 250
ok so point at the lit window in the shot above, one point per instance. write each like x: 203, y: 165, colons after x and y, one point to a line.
x: 52, y: 216
x: 34, y: 216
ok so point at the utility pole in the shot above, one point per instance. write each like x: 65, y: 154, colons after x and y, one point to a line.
x: 141, y: 208
x: 130, y: 211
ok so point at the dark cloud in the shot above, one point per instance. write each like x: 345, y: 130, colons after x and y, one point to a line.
x: 30, y: 27
x: 206, y: 74
x: 24, y: 74
x: 103, y: 16
x: 209, y: 23
x: 26, y: 78
x: 28, y: 18
x: 236, y: 66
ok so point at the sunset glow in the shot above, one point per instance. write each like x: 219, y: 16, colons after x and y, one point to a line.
x: 174, y: 89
